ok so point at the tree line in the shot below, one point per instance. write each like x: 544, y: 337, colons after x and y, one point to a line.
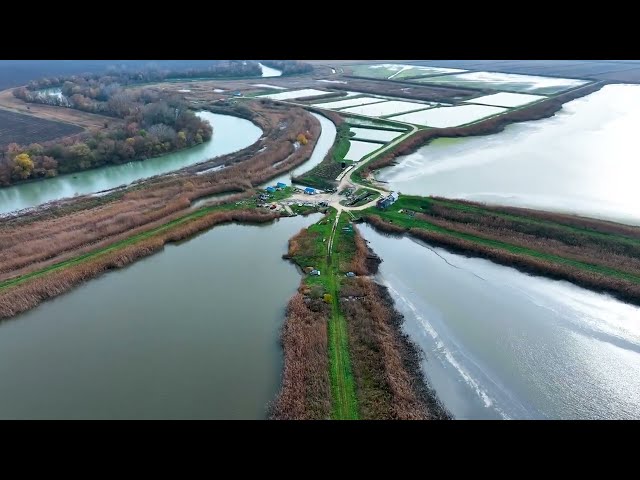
x: 233, y: 68
x: 154, y: 124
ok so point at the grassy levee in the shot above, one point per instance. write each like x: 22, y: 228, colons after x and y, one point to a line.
x: 371, y: 368
x: 587, y: 256
x: 345, y: 406
x: 301, y: 393
x: 385, y: 366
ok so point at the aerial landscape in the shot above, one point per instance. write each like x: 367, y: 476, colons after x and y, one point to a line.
x: 319, y: 239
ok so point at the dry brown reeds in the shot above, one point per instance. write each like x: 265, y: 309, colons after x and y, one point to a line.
x: 388, y: 384
x: 305, y: 393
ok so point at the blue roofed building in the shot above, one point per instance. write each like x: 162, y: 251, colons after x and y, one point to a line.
x: 281, y: 185
x: 310, y: 191
x: 270, y: 189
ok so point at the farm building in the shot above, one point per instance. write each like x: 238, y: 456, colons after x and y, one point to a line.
x: 281, y: 185
x: 270, y: 189
x: 387, y: 201
x: 310, y: 191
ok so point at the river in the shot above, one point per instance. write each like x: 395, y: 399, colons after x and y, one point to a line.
x: 325, y: 142
x: 583, y: 160
x: 502, y: 344
x: 191, y: 332
x: 230, y: 134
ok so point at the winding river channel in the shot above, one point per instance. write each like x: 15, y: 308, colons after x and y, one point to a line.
x: 325, y: 141
x: 230, y: 134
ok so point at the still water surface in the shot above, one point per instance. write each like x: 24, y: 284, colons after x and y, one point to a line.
x: 584, y: 160
x: 502, y: 344
x: 190, y: 332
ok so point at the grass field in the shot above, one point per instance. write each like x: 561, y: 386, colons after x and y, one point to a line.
x: 56, y: 114
x: 26, y: 129
x: 341, y: 375
x: 319, y: 254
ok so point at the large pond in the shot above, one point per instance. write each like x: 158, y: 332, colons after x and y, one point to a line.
x: 229, y: 135
x: 191, y: 332
x: 502, y: 344
x: 583, y: 160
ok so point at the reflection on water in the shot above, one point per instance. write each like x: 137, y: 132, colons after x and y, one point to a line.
x: 502, y: 344
x: 583, y: 160
x: 190, y: 332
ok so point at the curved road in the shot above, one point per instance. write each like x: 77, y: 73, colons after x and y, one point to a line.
x: 346, y: 181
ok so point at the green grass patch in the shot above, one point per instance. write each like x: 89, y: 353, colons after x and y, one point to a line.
x: 323, y: 175
x: 345, y: 405
x: 280, y: 194
x: 313, y: 252
x: 342, y: 144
